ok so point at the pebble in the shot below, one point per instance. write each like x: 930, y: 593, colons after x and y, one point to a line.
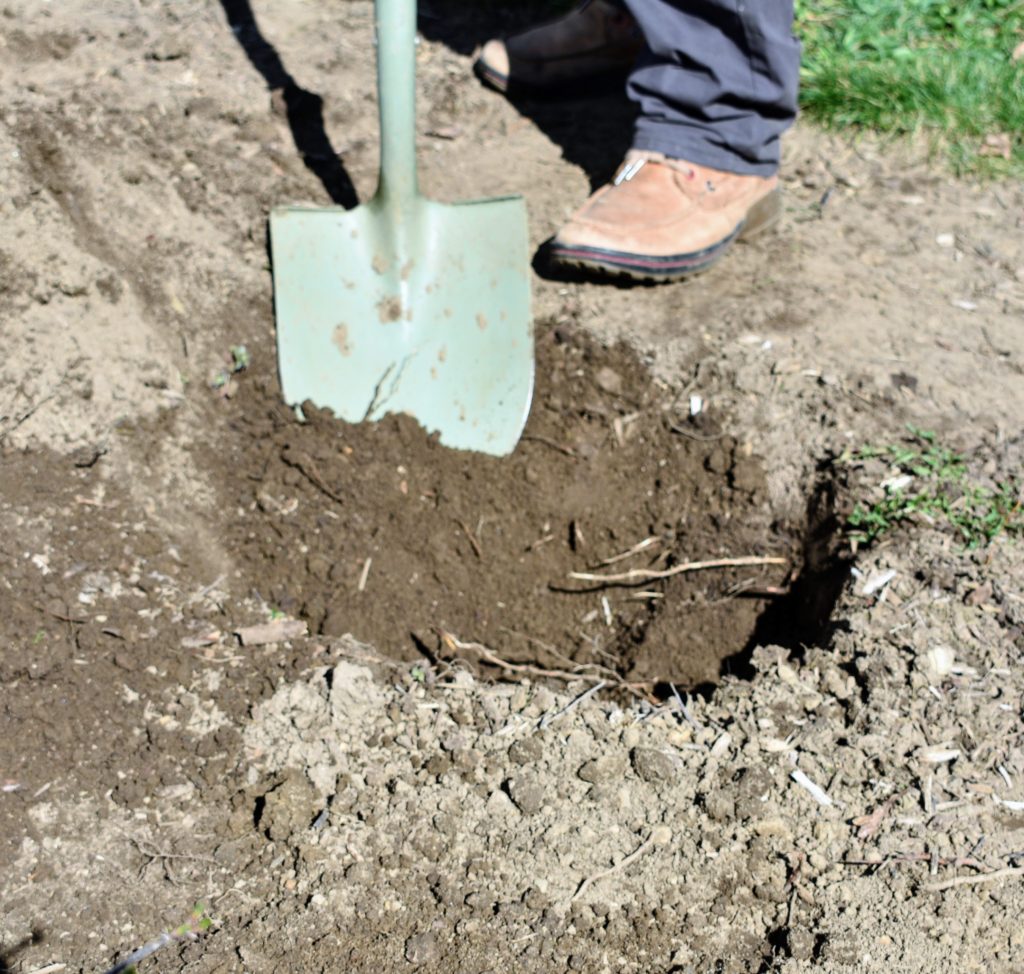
x: 421, y: 948
x: 652, y: 765
x: 799, y: 943
x: 526, y: 751
x: 527, y: 794
x: 602, y: 769
x: 499, y: 803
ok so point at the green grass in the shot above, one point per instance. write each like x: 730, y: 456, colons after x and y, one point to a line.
x: 940, y: 492
x: 912, y: 66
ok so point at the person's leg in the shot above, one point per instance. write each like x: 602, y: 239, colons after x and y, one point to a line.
x: 717, y: 84
x: 596, y: 37
x: 716, y: 89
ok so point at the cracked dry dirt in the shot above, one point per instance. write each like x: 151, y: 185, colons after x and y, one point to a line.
x: 840, y: 785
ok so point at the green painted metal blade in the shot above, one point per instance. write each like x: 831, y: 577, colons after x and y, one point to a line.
x: 415, y: 307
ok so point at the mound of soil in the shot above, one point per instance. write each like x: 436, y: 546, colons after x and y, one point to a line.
x: 378, y: 530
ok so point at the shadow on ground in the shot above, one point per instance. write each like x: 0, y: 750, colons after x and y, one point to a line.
x: 592, y: 125
x: 303, y: 109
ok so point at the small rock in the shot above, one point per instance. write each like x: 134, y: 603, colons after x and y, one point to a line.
x: 609, y: 380
x: 361, y: 873
x: 543, y: 700
x: 439, y: 764
x: 466, y: 760
x: 979, y: 595
x: 774, y: 827
x: 720, y: 807
x: 661, y: 835
x: 527, y: 794
x: 480, y: 902
x: 747, y: 475
x: 526, y: 751
x: 499, y: 804
x: 840, y: 950
x: 421, y: 948
x: 652, y: 765
x: 799, y: 943
x: 937, y: 664
x: 289, y: 808
x: 603, y: 769
x: 454, y: 743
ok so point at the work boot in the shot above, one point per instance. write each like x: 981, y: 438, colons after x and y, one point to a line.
x: 663, y: 219
x: 597, y: 37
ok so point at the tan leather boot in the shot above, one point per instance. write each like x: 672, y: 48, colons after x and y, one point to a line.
x: 664, y: 219
x: 595, y: 38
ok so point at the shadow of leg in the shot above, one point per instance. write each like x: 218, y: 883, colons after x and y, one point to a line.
x: 303, y: 109
x: 591, y: 121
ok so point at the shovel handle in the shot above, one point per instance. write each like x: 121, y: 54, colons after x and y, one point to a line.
x: 396, y: 92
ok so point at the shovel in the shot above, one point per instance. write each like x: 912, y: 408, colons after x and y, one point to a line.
x: 404, y: 304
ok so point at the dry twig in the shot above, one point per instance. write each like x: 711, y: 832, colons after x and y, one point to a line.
x: 660, y: 835
x: 473, y: 543
x: 534, y: 438
x: 641, y: 575
x: 528, y: 669
x: 991, y: 877
x: 635, y: 550
x: 364, y: 575
x: 305, y: 465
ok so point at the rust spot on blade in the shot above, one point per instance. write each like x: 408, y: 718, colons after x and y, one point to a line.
x: 442, y: 353
x: 481, y: 321
x: 380, y: 264
x: 388, y: 310
x: 407, y: 269
x: 340, y: 339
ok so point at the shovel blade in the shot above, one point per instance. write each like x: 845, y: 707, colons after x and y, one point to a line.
x: 424, y: 311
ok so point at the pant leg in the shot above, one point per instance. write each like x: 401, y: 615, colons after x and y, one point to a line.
x: 717, y: 84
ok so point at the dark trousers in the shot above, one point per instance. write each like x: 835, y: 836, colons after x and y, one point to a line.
x: 717, y: 83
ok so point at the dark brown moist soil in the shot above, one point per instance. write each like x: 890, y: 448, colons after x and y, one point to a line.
x: 377, y: 530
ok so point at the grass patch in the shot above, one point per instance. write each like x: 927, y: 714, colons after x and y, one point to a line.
x: 927, y: 482
x: 940, y: 67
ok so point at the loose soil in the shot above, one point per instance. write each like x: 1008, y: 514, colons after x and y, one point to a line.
x: 364, y: 797
x: 356, y: 527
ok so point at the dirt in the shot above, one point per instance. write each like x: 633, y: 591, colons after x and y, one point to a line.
x: 370, y: 796
x: 355, y: 527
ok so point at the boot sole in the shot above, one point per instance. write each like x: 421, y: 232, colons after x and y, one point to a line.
x: 676, y: 267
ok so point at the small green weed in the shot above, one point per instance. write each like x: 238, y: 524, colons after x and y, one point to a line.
x: 237, y: 361
x: 930, y: 482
